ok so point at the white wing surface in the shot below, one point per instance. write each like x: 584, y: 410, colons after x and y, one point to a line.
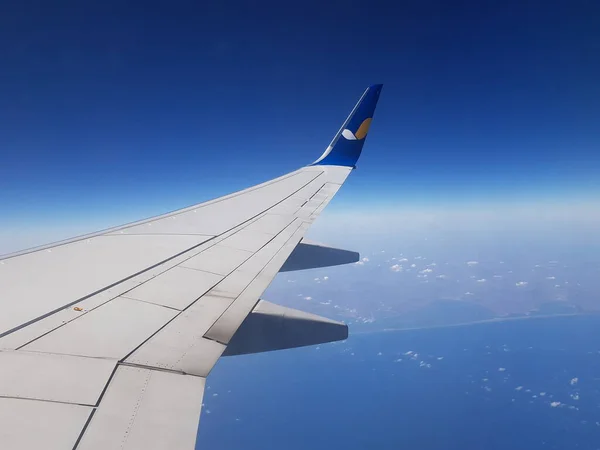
x: 106, y: 340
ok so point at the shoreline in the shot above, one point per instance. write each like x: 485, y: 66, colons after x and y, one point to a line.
x: 477, y: 322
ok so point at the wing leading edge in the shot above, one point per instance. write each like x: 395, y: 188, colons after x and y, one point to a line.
x: 107, y: 339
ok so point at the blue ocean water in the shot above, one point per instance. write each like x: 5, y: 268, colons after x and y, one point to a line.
x: 520, y: 384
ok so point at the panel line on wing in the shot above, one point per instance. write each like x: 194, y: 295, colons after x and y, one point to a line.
x: 30, y: 399
x: 150, y: 303
x: 85, y: 427
x: 158, y: 369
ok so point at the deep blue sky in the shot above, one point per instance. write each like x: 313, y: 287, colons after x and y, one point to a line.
x: 118, y: 109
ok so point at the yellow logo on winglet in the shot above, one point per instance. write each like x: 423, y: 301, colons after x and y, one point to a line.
x: 361, y: 133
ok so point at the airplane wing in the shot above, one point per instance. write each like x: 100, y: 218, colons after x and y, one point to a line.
x: 106, y: 340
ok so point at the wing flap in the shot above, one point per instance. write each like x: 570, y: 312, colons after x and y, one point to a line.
x: 181, y: 346
x: 111, y: 331
x: 218, y: 259
x: 27, y: 424
x: 176, y: 288
x: 144, y: 409
x: 55, y: 378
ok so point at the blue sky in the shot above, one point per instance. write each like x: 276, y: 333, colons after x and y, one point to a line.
x: 114, y: 111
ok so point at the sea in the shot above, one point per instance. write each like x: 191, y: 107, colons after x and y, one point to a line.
x: 513, y: 384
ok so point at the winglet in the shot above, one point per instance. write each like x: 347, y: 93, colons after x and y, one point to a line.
x: 345, y: 148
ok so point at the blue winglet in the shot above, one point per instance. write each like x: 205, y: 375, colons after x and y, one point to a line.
x: 347, y: 144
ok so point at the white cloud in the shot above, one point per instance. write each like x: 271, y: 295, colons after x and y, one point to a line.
x: 497, y: 276
x: 396, y: 268
x: 482, y: 280
x: 521, y: 283
x: 468, y: 293
x: 215, y: 395
x: 403, y: 260
x: 308, y: 298
x: 365, y: 259
x: 487, y: 388
x: 518, y: 388
x: 360, y: 263
x: 501, y: 369
x: 555, y: 404
x: 472, y: 263
x: 575, y: 396
x: 424, y: 364
x: 379, y: 354
x: 398, y: 360
x: 542, y: 394
x: 317, y: 279
x: 413, y: 265
x: 426, y: 271
x: 574, y: 381
x: 440, y: 358
x: 410, y: 352
x: 325, y: 278
x: 550, y: 278
x: 442, y: 277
